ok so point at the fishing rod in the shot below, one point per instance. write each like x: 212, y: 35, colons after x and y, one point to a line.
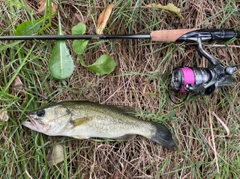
x: 178, y: 35
x: 203, y: 81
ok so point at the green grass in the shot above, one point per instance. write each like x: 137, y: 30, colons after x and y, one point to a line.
x: 139, y: 81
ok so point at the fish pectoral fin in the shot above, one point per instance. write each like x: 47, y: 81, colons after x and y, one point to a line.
x: 126, y: 137
x: 80, y: 137
x: 79, y: 121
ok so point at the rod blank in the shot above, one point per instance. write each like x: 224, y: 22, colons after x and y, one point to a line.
x: 72, y: 37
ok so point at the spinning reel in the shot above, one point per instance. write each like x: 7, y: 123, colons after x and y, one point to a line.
x: 203, y: 81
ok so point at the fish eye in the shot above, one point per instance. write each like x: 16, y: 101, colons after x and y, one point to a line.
x: 40, y: 113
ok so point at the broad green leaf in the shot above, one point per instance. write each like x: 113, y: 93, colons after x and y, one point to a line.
x: 104, y: 65
x: 79, y: 29
x: 79, y: 46
x: 61, y: 63
x: 29, y: 27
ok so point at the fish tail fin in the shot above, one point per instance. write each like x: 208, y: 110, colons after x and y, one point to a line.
x: 163, y: 137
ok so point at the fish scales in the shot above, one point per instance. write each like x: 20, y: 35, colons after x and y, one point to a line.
x: 107, y: 123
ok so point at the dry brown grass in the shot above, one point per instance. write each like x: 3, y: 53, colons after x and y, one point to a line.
x: 196, y: 130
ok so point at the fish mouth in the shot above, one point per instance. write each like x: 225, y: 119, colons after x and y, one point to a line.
x: 32, y: 122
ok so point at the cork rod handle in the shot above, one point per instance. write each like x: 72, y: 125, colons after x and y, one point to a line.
x: 169, y: 35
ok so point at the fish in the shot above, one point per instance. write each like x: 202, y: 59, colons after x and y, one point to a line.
x: 84, y: 120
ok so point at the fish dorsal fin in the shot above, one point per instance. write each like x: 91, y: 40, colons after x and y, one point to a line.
x: 79, y: 121
x: 127, y: 110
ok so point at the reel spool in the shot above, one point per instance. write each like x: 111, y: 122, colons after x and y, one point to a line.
x: 187, y: 79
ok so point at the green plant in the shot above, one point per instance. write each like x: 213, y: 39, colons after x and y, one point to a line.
x: 61, y: 64
x: 103, y: 65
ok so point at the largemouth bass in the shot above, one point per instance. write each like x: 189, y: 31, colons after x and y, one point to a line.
x: 83, y: 120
